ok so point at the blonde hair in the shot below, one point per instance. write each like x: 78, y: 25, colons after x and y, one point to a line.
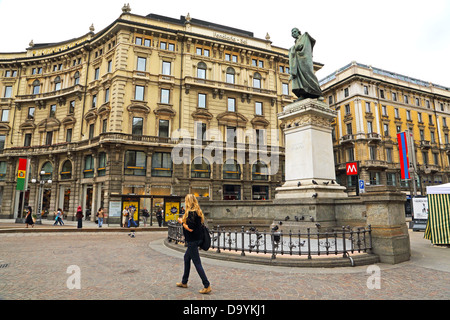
x: 192, y: 205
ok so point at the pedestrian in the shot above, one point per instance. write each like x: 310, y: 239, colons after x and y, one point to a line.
x: 79, y: 216
x: 58, y: 218
x: 145, y: 215
x: 100, y: 216
x: 192, y: 222
x: 125, y: 213
x: 29, y: 218
x: 159, y: 216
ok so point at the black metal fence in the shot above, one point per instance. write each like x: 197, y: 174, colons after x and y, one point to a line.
x: 343, y: 241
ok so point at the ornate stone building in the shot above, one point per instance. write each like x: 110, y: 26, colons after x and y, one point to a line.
x: 97, y: 116
x: 374, y: 105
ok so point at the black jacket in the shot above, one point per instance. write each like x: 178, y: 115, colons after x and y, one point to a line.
x: 194, y: 222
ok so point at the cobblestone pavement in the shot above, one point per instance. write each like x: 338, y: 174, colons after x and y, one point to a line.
x: 115, y: 266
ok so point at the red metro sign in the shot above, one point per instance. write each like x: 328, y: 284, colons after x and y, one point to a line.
x: 352, y: 168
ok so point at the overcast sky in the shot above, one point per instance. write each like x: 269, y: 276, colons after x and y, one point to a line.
x: 409, y: 37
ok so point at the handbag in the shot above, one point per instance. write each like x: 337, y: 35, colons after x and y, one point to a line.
x: 206, y: 241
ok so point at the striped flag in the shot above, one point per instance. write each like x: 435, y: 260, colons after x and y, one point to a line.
x: 21, y: 174
x: 403, y: 151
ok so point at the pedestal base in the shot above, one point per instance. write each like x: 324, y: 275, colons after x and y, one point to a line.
x: 307, y: 189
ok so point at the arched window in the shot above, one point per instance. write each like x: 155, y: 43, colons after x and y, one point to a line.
x: 231, y: 169
x: 66, y: 170
x: 230, y: 75
x: 201, y: 70
x: 36, y: 87
x: 57, y: 83
x: 46, y: 171
x: 77, y: 78
x: 260, y: 171
x: 257, y: 80
x: 200, y: 168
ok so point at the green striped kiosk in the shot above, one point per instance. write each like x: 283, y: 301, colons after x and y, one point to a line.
x: 438, y: 224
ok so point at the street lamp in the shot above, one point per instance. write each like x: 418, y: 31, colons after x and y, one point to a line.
x: 42, y: 182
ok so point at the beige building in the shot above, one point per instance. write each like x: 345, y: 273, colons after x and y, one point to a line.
x: 98, y: 116
x: 373, y: 106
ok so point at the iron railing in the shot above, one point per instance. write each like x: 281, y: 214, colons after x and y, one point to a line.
x: 343, y: 241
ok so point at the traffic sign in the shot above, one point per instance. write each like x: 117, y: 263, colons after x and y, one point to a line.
x: 361, y: 186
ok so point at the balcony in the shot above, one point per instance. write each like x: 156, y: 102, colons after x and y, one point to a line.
x: 379, y: 164
x: 189, y: 81
x: 429, y: 168
x: 373, y: 136
x: 348, y: 138
x: 59, y: 95
x: 425, y: 144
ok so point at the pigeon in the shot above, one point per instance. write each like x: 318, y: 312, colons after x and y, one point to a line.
x: 287, y: 218
x: 280, y: 223
x: 318, y: 225
x: 326, y: 183
x: 332, y: 182
x: 314, y: 182
x: 311, y: 218
x: 296, y: 218
x: 314, y: 195
x: 299, y: 184
x: 275, y: 228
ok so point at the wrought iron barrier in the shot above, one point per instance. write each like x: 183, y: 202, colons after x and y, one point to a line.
x: 343, y: 241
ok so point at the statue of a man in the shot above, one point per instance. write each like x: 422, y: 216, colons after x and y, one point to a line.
x: 304, y: 81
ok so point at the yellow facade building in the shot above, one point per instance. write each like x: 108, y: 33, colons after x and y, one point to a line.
x: 98, y: 116
x: 373, y: 106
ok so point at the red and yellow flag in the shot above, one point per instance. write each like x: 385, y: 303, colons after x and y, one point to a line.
x: 21, y: 174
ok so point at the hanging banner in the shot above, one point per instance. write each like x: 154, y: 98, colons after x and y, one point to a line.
x: 403, y: 151
x: 21, y: 174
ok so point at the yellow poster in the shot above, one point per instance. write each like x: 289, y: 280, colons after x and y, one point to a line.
x: 171, y: 211
x: 132, y: 208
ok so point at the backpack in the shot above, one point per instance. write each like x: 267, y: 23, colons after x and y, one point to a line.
x: 206, y: 241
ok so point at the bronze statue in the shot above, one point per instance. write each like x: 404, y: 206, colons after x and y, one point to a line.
x: 304, y: 81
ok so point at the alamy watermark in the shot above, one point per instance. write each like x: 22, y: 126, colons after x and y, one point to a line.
x: 374, y: 280
x: 239, y: 145
x: 74, y: 280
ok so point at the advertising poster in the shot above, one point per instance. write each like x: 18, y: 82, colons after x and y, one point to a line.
x: 172, y: 210
x: 133, y: 206
x: 114, y: 209
x: 420, y: 208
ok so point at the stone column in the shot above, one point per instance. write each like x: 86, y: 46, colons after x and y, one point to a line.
x: 385, y: 213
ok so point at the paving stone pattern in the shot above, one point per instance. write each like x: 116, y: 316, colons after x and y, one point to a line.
x: 115, y: 266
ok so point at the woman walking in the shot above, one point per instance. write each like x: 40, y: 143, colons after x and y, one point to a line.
x: 79, y: 217
x: 29, y: 218
x: 192, y: 221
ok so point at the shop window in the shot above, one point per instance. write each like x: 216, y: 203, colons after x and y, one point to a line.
x: 260, y: 193
x: 231, y: 192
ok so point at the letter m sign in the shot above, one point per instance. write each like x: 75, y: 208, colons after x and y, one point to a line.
x: 352, y: 168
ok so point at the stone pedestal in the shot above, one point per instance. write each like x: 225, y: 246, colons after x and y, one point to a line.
x: 309, y: 159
